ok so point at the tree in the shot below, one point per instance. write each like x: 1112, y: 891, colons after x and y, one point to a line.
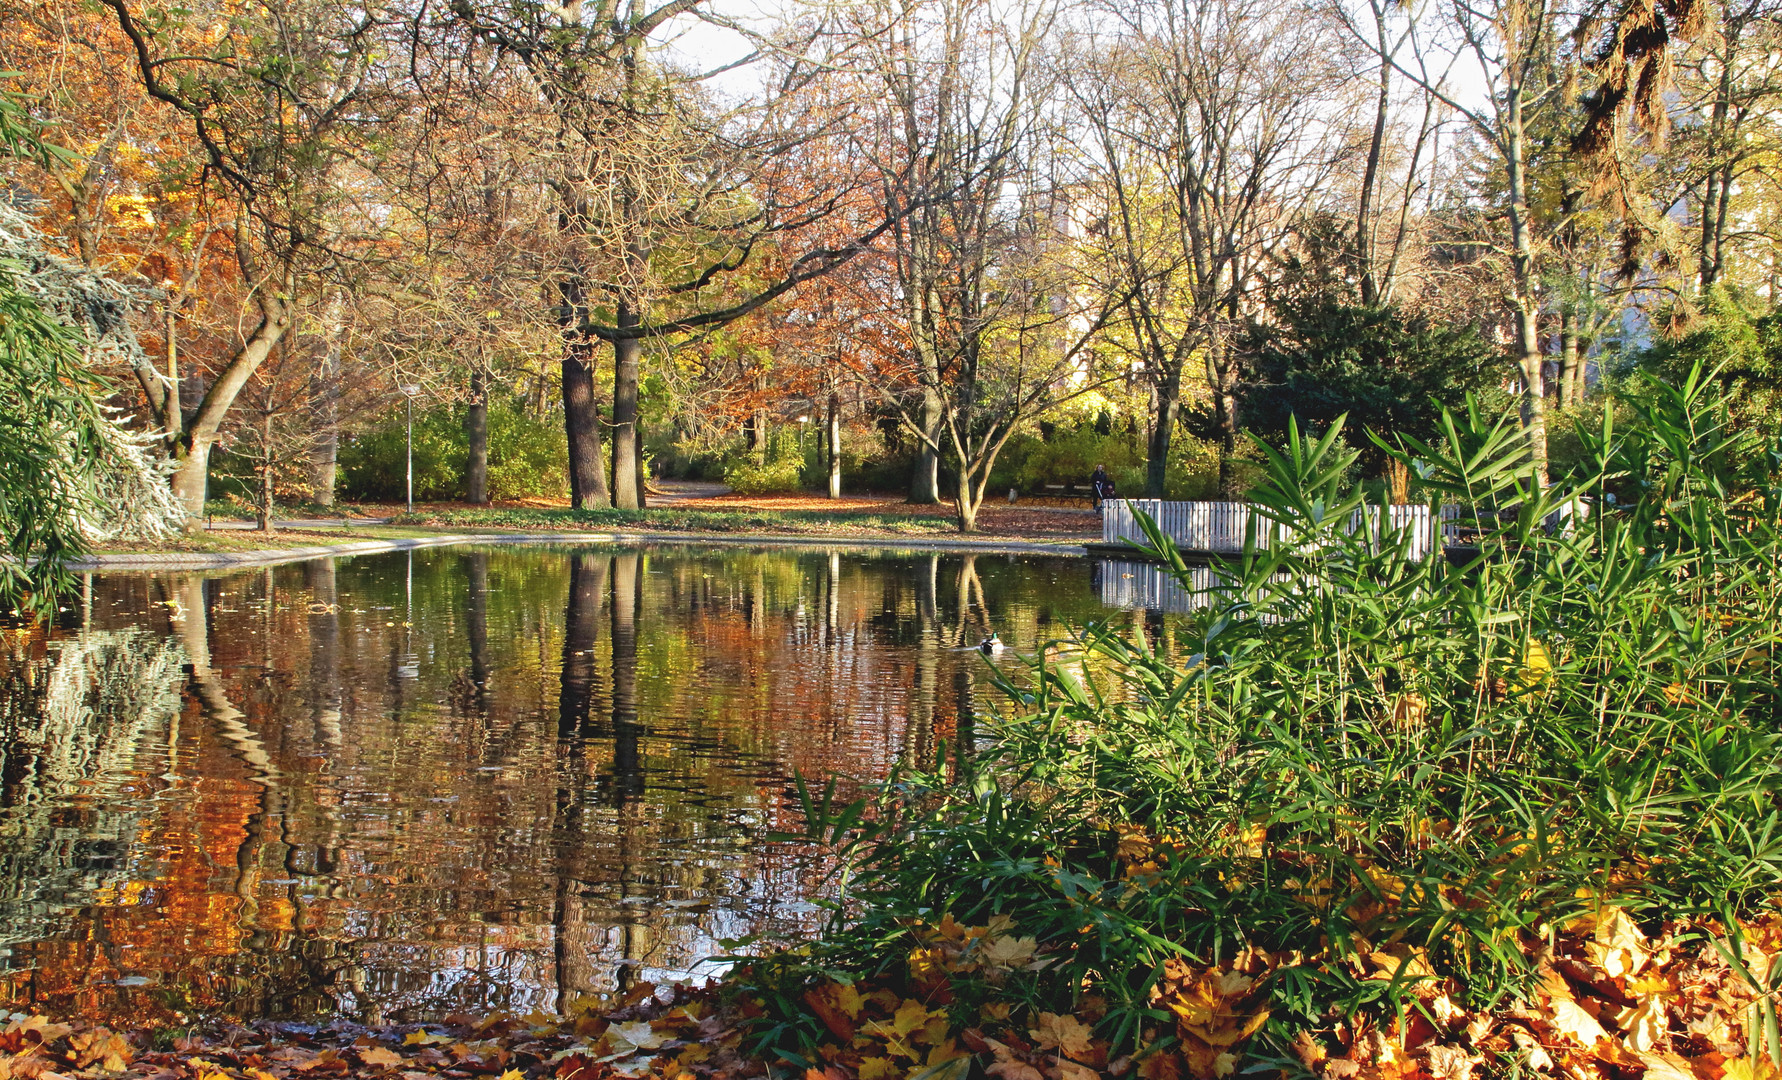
x: 1738, y: 346
x: 1516, y: 48
x: 68, y: 471
x: 1731, y: 93
x: 278, y: 97
x: 1211, y: 136
x: 1388, y: 372
x: 995, y: 337
x: 662, y: 200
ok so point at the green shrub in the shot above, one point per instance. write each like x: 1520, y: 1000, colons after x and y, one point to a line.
x: 528, y: 453
x: 528, y: 456
x: 373, y: 463
x: 1070, y: 456
x: 745, y: 477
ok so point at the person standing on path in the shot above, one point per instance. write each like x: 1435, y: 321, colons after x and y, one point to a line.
x: 1100, y: 485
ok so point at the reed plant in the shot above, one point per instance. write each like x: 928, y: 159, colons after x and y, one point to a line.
x: 1355, y: 776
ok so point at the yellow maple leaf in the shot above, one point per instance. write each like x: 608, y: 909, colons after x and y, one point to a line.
x: 878, y: 1068
x: 846, y: 998
x: 909, y: 1016
x: 934, y: 1032
x: 379, y: 1057
x: 1750, y: 1068
x: 1225, y: 1034
x: 1009, y: 952
x: 1645, y: 1023
x: 1566, y: 1015
x: 1065, y: 1034
x: 944, y: 1051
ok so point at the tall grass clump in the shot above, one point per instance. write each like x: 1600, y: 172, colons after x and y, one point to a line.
x: 1361, y: 810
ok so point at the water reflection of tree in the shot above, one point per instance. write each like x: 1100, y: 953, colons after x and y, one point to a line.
x: 93, y: 716
x: 586, y: 793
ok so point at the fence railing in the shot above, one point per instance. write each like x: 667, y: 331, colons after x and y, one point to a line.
x: 1225, y: 528
x: 1458, y: 529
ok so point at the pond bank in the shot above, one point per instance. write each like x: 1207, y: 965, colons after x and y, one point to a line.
x: 186, y: 560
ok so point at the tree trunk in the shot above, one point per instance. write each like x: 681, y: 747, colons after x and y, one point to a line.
x: 266, y: 463
x: 627, y: 491
x: 643, y: 478
x: 194, y: 458
x: 1219, y: 379
x: 758, y: 426
x: 834, y: 428
x: 965, y: 508
x: 324, y: 394
x: 581, y: 423
x: 1571, y: 369
x: 1525, y: 301
x: 1715, y: 193
x: 324, y: 465
x: 925, y: 482
x: 172, y: 413
x: 1167, y: 399
x: 476, y: 433
x: 1364, y: 226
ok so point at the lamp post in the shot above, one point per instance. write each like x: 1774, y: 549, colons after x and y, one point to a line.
x: 409, y: 391
x: 803, y: 420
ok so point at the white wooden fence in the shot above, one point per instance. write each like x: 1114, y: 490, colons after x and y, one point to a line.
x: 1564, y: 518
x: 1224, y: 528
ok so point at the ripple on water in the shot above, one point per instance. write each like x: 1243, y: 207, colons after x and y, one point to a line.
x: 403, y: 785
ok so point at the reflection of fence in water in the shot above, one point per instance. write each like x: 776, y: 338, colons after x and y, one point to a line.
x: 1132, y: 583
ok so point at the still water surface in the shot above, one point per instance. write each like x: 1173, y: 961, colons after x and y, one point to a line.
x: 397, y: 786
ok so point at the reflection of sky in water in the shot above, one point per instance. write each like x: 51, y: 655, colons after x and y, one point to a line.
x: 398, y: 786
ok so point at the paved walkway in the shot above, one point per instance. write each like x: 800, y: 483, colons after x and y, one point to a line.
x: 298, y: 523
x: 679, y: 492
x: 153, y: 561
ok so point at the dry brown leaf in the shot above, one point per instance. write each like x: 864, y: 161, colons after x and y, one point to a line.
x: 1666, y: 1067
x: 380, y: 1057
x: 1065, y: 1034
x: 1451, y: 1063
x: 1567, y: 1016
x: 1067, y: 1069
x: 1009, y: 952
x: 1617, y: 947
x: 1309, y: 1050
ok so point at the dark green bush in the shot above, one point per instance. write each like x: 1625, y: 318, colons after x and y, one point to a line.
x: 527, y: 455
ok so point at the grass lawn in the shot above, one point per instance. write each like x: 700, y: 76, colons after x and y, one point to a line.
x: 800, y: 517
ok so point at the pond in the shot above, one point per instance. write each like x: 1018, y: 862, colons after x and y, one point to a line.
x: 399, y: 786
